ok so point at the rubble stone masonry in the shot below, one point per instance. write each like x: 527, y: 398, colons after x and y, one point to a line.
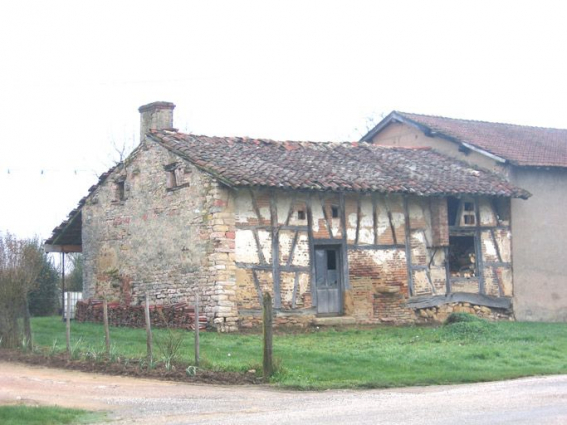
x: 144, y: 233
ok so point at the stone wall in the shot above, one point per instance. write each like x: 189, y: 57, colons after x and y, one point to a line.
x: 144, y: 232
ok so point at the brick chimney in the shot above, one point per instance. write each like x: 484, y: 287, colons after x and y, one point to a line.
x: 155, y: 116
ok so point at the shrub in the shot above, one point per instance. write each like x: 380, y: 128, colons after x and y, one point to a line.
x: 465, y: 326
x: 462, y: 318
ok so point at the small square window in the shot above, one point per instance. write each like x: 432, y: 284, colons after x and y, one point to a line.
x: 469, y: 206
x: 334, y: 211
x: 301, y: 215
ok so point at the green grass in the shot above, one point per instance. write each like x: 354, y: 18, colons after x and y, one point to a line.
x: 30, y: 415
x: 366, y: 357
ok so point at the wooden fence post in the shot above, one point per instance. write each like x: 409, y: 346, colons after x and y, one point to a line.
x: 68, y: 321
x: 148, y: 329
x: 106, y: 328
x: 267, y: 322
x: 197, y: 323
x: 27, y: 324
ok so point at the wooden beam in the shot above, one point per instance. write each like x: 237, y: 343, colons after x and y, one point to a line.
x: 376, y: 247
x: 326, y: 216
x: 275, y: 250
x: 358, y: 218
x: 63, y: 248
x: 311, y: 251
x: 375, y: 218
x: 407, y: 228
x: 257, y: 286
x: 460, y: 297
x: 344, y: 251
x: 292, y: 249
x: 478, y: 241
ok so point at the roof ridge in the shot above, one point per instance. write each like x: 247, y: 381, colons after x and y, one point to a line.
x: 479, y: 121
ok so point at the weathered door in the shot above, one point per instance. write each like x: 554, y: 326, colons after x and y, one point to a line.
x: 327, y: 279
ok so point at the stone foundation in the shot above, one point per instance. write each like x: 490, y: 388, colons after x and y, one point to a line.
x: 440, y: 313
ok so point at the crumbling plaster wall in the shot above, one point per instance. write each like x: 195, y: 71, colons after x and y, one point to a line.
x: 380, y: 233
x: 168, y: 243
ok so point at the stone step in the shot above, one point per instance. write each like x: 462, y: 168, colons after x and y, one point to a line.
x: 334, y: 321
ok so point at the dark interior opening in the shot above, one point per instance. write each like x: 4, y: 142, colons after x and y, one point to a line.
x: 334, y: 211
x: 452, y: 210
x: 462, y: 257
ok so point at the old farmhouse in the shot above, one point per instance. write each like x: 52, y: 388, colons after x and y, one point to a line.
x: 335, y: 232
x: 532, y: 158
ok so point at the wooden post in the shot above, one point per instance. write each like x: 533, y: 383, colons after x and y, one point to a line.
x: 267, y: 322
x: 106, y: 328
x: 68, y: 321
x: 62, y: 285
x: 27, y: 324
x: 196, y: 323
x: 148, y: 329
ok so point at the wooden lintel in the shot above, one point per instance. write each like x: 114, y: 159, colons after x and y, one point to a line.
x: 376, y: 247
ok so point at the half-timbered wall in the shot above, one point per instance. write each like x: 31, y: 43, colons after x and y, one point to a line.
x: 392, y: 248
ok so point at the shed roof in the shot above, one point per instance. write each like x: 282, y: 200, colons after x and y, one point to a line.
x: 520, y: 145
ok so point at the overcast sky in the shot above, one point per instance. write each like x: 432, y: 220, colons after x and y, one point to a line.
x: 73, y: 74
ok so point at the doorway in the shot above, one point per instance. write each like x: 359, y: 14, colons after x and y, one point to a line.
x: 328, y: 280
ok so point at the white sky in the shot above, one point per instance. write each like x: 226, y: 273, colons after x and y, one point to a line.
x: 73, y: 73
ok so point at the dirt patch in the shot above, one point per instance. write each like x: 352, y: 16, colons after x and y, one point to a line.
x: 132, y: 368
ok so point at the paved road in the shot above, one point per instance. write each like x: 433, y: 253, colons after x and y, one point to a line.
x: 531, y: 401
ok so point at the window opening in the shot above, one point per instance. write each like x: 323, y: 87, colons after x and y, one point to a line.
x: 452, y: 210
x: 171, y: 179
x: 176, y: 176
x: 462, y: 257
x: 301, y: 215
x: 502, y: 210
x: 120, y: 193
x: 334, y: 211
x: 331, y: 260
x: 469, y: 216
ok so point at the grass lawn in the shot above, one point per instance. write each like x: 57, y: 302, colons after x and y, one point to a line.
x: 356, y: 357
x: 30, y: 415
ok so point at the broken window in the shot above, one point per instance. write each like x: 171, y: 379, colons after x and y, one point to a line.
x: 502, y: 209
x: 462, y: 257
x: 461, y: 212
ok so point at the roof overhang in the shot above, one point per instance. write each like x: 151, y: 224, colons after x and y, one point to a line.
x: 67, y: 236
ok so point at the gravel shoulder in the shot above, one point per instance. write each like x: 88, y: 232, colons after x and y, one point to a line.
x: 541, y: 400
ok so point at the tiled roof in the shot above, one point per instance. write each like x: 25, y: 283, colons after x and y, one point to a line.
x: 358, y: 167
x: 520, y: 145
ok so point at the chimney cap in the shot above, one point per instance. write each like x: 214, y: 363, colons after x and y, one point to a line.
x: 155, y: 106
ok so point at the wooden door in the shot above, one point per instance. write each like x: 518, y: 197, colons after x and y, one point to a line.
x: 328, y: 281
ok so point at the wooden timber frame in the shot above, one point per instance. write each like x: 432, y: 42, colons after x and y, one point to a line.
x: 317, y: 203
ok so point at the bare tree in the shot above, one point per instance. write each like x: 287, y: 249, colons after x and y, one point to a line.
x: 20, y: 266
